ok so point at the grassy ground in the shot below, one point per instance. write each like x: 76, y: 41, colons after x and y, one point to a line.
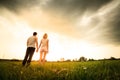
x: 94, y: 70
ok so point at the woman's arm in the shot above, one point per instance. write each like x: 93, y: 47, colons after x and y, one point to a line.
x: 40, y: 44
x: 48, y: 45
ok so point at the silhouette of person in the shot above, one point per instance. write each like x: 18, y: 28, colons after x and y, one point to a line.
x: 44, y: 45
x: 32, y: 43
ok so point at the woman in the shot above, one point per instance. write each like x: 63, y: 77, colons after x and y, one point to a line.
x: 44, y: 44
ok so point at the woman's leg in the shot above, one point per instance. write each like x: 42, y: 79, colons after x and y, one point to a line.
x: 41, y: 54
x: 44, y: 57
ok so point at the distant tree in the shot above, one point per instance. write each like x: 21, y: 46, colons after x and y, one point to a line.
x: 112, y: 58
x: 14, y: 60
x: 68, y: 60
x: 82, y: 59
x: 74, y: 60
x: 91, y: 60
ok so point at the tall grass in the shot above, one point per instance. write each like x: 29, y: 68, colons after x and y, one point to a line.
x: 94, y: 70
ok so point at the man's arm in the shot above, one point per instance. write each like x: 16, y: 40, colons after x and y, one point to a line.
x: 36, y: 41
x: 27, y: 42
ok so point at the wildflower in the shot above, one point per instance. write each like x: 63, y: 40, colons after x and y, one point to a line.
x: 84, y: 67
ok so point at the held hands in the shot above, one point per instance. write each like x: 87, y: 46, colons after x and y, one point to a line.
x: 37, y: 49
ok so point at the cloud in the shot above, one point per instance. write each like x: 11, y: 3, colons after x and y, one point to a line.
x: 75, y: 7
x: 67, y: 22
x: 93, y: 20
x: 112, y: 23
x: 59, y: 6
x: 17, y: 5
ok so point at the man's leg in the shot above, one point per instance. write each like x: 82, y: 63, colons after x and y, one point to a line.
x: 32, y: 50
x: 26, y: 56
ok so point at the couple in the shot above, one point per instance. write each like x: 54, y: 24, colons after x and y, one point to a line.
x: 32, y: 44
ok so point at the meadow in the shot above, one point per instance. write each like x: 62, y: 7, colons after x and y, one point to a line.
x: 90, y: 70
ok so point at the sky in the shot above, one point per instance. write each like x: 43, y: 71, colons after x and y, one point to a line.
x: 89, y: 28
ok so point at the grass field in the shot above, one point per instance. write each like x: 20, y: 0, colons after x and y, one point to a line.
x: 91, y: 70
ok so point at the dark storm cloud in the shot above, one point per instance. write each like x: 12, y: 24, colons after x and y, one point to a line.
x: 16, y: 5
x: 114, y: 26
x: 71, y: 10
x: 75, y: 7
x: 109, y: 30
x: 61, y: 6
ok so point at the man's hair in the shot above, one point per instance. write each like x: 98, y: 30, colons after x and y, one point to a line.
x: 34, y: 33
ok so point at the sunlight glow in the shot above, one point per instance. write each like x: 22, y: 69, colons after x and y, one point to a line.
x: 85, y: 20
x: 68, y: 38
x: 88, y: 50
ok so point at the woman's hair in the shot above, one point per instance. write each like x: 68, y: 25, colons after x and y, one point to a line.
x: 45, y: 35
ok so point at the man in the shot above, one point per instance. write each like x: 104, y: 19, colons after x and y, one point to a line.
x: 32, y: 43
